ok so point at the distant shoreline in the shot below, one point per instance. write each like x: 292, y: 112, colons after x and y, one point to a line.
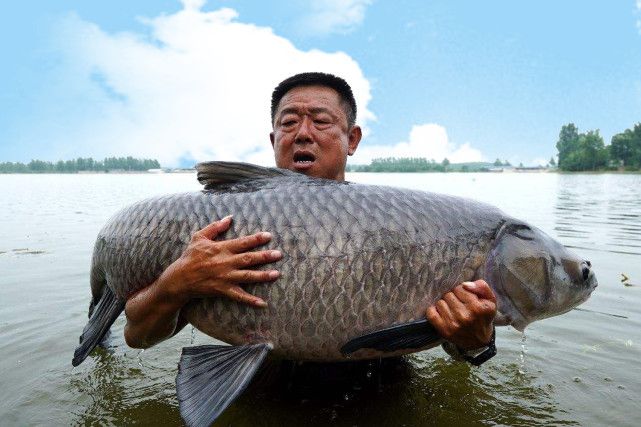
x: 187, y: 171
x: 515, y: 172
x: 111, y: 172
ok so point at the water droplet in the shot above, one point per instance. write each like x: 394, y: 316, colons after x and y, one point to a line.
x: 522, y: 354
x: 193, y: 334
x: 369, y: 374
x: 346, y: 397
x: 576, y: 379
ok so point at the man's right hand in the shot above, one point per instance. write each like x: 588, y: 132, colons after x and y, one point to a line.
x: 206, y: 268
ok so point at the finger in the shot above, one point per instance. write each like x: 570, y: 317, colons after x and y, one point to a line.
x: 465, y: 296
x: 481, y: 289
x: 253, y: 276
x: 238, y: 294
x: 436, y: 320
x: 212, y: 230
x: 453, y: 303
x: 249, y: 259
x: 444, y: 311
x: 244, y: 244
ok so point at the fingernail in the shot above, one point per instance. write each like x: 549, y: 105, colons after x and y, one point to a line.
x: 274, y: 274
x: 469, y: 285
x: 266, y: 235
x: 260, y: 303
x: 227, y: 218
x: 275, y: 254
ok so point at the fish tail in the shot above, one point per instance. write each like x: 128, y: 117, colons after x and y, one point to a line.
x: 101, y: 316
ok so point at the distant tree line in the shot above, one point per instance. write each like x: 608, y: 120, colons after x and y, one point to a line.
x: 588, y: 152
x: 419, y: 164
x: 499, y: 163
x: 80, y: 165
x: 402, y: 164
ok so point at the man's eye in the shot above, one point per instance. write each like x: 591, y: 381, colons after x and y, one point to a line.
x: 288, y: 122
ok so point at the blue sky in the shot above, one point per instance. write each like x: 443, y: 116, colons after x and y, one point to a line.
x: 190, y: 81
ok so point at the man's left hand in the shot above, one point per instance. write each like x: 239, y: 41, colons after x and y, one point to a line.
x: 464, y: 315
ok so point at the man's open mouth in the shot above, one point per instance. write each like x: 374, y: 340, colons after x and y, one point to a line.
x: 303, y: 159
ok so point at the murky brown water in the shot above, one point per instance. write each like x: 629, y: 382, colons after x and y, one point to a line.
x: 583, y: 368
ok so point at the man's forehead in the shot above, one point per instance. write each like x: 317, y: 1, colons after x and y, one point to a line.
x: 316, y: 96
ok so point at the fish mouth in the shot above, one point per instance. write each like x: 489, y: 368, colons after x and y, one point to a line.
x: 303, y: 160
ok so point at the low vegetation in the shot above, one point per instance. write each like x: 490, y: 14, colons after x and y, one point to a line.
x: 80, y: 164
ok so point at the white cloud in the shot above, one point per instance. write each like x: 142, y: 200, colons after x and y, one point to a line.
x: 198, y: 86
x: 427, y: 140
x: 334, y: 16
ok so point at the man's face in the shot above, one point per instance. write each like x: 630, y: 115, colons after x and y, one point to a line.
x: 311, y: 134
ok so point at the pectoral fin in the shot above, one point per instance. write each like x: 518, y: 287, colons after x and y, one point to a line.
x: 210, y: 377
x: 412, y: 335
x: 104, y: 314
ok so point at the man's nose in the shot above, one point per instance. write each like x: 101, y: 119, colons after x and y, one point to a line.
x: 304, y: 132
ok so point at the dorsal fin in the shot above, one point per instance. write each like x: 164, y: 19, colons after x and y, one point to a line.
x: 211, y: 174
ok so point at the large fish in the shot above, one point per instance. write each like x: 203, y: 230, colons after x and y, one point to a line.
x: 360, y: 266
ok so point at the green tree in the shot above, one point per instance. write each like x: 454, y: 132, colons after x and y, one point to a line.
x: 552, y: 162
x: 581, y: 151
x: 497, y: 162
x: 625, y: 147
x: 567, y: 144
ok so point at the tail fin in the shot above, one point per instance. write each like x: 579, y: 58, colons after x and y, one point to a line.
x: 103, y: 315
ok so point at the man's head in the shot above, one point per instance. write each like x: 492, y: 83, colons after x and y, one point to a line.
x: 313, y: 116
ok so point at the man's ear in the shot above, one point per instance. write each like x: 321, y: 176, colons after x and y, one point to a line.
x: 271, y: 138
x: 355, y: 135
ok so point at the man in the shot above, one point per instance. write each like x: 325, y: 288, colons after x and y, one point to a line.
x: 314, y: 130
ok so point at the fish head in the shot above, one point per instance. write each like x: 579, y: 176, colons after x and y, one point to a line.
x: 534, y: 276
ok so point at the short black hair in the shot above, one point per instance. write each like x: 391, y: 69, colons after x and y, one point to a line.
x: 318, y: 79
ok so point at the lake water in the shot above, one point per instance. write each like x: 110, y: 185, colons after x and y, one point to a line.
x: 582, y: 368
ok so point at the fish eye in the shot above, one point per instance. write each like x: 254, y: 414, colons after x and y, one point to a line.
x: 520, y: 231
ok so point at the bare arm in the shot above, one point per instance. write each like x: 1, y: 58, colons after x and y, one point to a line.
x: 206, y: 268
x: 465, y: 315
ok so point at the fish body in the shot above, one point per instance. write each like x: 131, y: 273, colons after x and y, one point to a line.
x: 356, y: 258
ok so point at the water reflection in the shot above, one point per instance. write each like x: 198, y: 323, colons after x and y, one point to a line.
x: 121, y: 393
x: 417, y: 390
